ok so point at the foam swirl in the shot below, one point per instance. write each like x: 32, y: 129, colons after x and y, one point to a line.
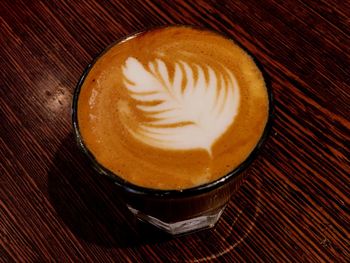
x: 191, y: 109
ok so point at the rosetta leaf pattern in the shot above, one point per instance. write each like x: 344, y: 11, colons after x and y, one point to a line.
x: 190, y: 109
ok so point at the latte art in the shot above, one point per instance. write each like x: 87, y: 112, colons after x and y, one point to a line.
x: 193, y: 108
x: 172, y: 108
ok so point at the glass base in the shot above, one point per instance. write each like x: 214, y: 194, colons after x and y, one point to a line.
x: 207, y: 220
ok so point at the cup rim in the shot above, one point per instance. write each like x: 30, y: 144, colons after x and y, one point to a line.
x: 172, y: 193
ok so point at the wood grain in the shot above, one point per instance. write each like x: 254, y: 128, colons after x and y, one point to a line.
x: 294, y: 206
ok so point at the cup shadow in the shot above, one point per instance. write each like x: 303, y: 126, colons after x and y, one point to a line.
x: 89, y: 204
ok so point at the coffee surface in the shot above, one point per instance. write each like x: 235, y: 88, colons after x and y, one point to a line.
x: 172, y: 108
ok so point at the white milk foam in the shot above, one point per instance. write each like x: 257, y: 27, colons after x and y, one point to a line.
x: 182, y: 116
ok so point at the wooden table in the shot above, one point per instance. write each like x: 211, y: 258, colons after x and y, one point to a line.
x: 294, y: 206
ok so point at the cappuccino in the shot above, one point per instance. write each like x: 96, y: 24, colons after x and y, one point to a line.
x: 172, y: 108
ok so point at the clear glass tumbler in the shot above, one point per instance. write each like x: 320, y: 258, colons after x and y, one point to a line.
x: 174, y: 211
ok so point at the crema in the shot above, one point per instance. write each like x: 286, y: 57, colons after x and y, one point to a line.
x: 173, y: 108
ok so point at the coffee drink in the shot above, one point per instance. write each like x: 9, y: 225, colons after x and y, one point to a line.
x: 172, y: 108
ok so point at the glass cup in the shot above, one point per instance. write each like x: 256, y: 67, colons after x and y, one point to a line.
x: 174, y: 211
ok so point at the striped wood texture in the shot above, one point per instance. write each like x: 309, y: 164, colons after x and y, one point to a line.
x: 294, y: 206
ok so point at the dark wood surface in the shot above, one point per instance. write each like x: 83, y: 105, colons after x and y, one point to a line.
x: 294, y: 206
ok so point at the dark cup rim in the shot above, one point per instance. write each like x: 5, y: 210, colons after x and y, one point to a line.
x: 172, y: 193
